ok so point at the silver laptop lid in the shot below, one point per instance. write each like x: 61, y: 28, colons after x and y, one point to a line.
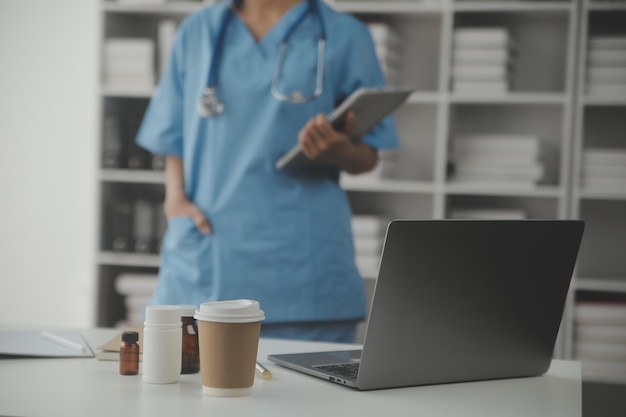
x: 468, y: 300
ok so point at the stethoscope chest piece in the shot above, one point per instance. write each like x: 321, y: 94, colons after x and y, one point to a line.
x: 209, y: 105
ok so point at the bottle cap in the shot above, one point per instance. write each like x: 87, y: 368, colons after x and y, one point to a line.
x: 188, y: 310
x: 164, y: 314
x: 130, y: 337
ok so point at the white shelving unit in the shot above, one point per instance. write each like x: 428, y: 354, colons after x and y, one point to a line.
x: 544, y: 100
x: 600, y: 124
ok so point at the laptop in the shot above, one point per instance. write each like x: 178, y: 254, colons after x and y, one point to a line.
x: 456, y: 301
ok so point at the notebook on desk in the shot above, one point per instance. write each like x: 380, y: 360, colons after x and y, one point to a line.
x: 43, y: 344
x: 458, y: 300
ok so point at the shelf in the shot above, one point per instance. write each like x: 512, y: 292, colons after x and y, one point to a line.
x: 510, y: 98
x: 589, y: 101
x: 132, y: 176
x: 387, y: 7
x: 514, y: 6
x: 128, y: 259
x: 424, y: 97
x: 604, y: 372
x: 542, y: 191
x: 601, y: 284
x: 127, y: 91
x: 437, y: 7
x: 544, y: 101
x: 602, y: 195
x: 606, y: 6
x: 387, y: 186
x: 147, y: 92
x: 170, y: 8
x: 153, y: 261
x: 417, y: 97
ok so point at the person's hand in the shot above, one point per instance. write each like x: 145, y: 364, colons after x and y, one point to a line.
x: 320, y: 141
x: 180, y: 206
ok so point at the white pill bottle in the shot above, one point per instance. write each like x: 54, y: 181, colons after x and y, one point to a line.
x: 162, y: 344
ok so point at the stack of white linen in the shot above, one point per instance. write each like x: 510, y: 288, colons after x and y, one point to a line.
x: 604, y: 169
x: 129, y: 62
x: 388, y: 48
x: 488, y: 214
x: 606, y: 67
x: 600, y: 335
x: 497, y: 160
x: 481, y: 60
x: 369, y: 233
x: 137, y: 289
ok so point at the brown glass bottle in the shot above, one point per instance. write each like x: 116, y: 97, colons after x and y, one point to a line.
x: 129, y: 354
x: 190, y: 361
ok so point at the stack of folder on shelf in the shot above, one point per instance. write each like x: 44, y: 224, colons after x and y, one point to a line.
x: 113, y: 143
x: 604, y: 169
x: 387, y: 45
x: 149, y: 224
x: 606, y: 67
x: 600, y: 334
x: 129, y: 62
x: 137, y: 290
x: 488, y: 214
x: 369, y: 233
x: 119, y: 150
x: 119, y: 217
x: 135, y: 225
x: 497, y: 160
x: 386, y: 168
x: 481, y: 60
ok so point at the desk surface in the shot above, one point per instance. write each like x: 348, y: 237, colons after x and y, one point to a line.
x: 88, y: 387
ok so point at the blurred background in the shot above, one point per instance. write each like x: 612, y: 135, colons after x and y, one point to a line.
x: 49, y: 52
x: 499, y: 84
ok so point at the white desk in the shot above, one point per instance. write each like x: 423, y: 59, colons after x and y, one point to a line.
x: 87, y: 387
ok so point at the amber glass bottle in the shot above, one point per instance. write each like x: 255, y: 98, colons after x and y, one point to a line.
x: 190, y: 363
x: 129, y: 354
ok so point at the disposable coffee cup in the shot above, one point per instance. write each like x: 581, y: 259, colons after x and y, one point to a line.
x: 228, y: 334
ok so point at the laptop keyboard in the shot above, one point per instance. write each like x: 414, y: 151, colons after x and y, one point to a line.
x: 342, y: 370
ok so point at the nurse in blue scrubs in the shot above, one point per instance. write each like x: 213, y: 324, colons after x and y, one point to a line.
x: 231, y: 103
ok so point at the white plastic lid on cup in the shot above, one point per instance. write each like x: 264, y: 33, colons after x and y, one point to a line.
x: 162, y: 314
x: 231, y: 311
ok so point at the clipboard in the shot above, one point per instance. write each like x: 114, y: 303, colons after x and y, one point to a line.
x: 370, y: 106
x: 38, y: 344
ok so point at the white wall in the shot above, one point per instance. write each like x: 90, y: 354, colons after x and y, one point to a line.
x: 48, y: 159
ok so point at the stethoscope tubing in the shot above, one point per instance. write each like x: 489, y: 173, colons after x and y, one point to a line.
x: 210, y: 105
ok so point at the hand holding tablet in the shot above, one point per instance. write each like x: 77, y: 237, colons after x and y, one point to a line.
x: 369, y: 105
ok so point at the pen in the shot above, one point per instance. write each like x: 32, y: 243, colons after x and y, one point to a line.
x: 263, y: 372
x: 63, y: 342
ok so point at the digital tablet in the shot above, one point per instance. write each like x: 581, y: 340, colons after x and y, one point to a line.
x: 370, y: 106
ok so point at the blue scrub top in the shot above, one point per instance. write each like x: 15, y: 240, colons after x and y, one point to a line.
x: 281, y: 238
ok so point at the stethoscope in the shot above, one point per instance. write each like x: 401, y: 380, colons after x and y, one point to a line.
x: 210, y: 105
